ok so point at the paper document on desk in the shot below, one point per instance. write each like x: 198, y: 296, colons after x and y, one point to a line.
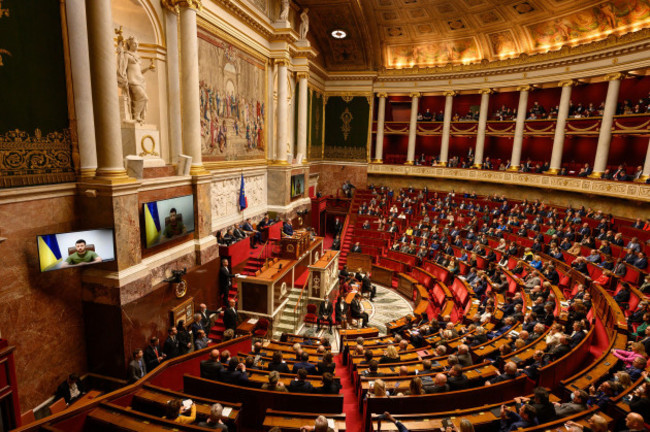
x: 330, y: 423
x: 252, y: 321
x: 226, y: 412
x: 187, y: 404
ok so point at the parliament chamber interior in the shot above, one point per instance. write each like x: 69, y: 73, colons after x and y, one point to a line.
x: 334, y: 215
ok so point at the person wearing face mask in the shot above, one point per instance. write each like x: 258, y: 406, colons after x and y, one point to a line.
x: 578, y: 403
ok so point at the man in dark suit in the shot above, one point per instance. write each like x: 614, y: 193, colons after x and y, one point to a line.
x: 287, y: 228
x: 509, y: 372
x: 70, y: 390
x: 356, y: 311
x: 277, y: 364
x: 171, y: 347
x: 304, y: 364
x: 356, y: 248
x: 256, y: 236
x: 235, y: 374
x: 367, y: 286
x: 230, y: 316
x: 457, y: 379
x: 153, y: 355
x: 634, y: 423
x: 212, y: 367
x: 136, y: 369
x: 206, y: 321
x: 225, y: 281
x: 341, y: 310
x: 300, y: 385
x: 325, y: 311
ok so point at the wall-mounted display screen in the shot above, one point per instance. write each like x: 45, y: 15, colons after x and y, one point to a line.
x: 167, y: 219
x: 297, y: 185
x: 74, y: 249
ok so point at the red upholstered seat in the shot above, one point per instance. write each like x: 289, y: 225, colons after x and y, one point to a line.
x: 311, y: 317
x: 262, y: 328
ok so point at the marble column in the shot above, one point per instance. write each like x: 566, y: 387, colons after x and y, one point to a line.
x: 446, y: 128
x: 560, y: 127
x: 81, y: 85
x: 106, y: 111
x: 482, y: 125
x: 605, y: 135
x: 515, y: 158
x: 270, y: 136
x: 646, y: 167
x: 413, y: 128
x: 190, y: 100
x: 283, y: 109
x: 173, y: 85
x: 302, y: 115
x: 381, y: 117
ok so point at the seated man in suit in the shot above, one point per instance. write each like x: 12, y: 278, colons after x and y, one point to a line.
x: 212, y: 367
x: 277, y: 363
x: 287, y: 228
x: 325, y: 311
x: 457, y: 379
x: 256, y: 236
x: 70, y: 390
x: 230, y: 316
x: 509, y: 372
x: 439, y: 385
x: 511, y: 421
x: 300, y: 385
x: 357, y: 312
x: 367, y: 286
x: 235, y: 374
x: 309, y: 368
x: 577, y: 404
x: 356, y: 248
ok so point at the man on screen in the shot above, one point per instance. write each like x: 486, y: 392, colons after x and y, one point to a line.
x: 82, y: 256
x: 174, y: 227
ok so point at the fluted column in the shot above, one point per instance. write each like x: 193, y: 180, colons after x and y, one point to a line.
x: 560, y: 127
x: 605, y: 135
x: 173, y: 85
x: 302, y: 115
x: 645, y: 174
x: 381, y: 118
x: 515, y: 158
x: 106, y: 111
x: 482, y: 125
x: 283, y: 109
x: 446, y: 128
x: 413, y: 125
x: 81, y: 85
x: 190, y: 100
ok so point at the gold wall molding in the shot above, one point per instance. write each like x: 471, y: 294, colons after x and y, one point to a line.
x: 608, y: 188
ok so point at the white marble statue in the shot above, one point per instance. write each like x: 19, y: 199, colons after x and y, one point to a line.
x: 304, y: 24
x: 130, y: 77
x: 284, y: 13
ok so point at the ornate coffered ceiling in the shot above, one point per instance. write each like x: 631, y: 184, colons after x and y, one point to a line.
x: 396, y: 34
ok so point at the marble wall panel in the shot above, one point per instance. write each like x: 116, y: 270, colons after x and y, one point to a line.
x: 224, y: 195
x: 40, y: 313
x: 127, y: 231
x: 332, y: 176
x: 203, y: 210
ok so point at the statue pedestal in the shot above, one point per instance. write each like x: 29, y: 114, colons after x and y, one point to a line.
x: 302, y: 43
x: 142, y: 140
x: 281, y: 24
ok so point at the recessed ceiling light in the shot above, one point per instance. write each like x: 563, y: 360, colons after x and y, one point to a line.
x: 339, y: 34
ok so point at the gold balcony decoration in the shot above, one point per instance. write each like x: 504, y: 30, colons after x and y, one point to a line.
x: 4, y: 12
x: 346, y: 118
x: 345, y: 153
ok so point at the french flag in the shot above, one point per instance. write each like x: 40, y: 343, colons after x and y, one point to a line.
x: 243, y: 201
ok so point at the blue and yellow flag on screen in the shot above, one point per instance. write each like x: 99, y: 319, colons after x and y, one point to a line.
x: 151, y: 223
x: 49, y: 254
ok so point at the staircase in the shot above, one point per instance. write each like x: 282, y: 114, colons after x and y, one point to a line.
x: 252, y: 265
x: 290, y: 321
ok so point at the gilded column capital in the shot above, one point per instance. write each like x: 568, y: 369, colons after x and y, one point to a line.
x: 301, y: 75
x: 451, y: 93
x: 176, y: 5
x: 415, y: 95
x: 524, y: 88
x: 566, y: 83
x: 281, y: 61
x: 617, y: 76
x: 486, y: 91
x: 382, y: 95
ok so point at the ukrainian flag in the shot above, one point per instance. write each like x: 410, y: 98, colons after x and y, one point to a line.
x: 151, y: 223
x: 49, y: 254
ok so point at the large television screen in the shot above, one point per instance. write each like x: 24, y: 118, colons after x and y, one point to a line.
x: 297, y: 185
x: 168, y: 219
x: 74, y: 249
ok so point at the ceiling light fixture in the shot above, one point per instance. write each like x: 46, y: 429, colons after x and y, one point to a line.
x: 339, y: 34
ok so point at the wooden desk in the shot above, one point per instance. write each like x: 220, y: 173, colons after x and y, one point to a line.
x: 382, y: 275
x: 247, y: 326
x: 296, y: 245
x: 293, y: 421
x: 356, y: 261
x: 406, y: 285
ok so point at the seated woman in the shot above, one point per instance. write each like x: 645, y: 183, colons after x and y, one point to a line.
x: 637, y: 350
x: 378, y: 389
x: 176, y: 412
x: 274, y: 383
x: 327, y: 365
x: 390, y: 355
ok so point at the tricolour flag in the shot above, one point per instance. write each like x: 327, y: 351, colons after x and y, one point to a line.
x: 151, y: 223
x: 243, y: 201
x: 49, y: 253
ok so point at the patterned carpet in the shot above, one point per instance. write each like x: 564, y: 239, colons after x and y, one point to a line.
x: 388, y: 305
